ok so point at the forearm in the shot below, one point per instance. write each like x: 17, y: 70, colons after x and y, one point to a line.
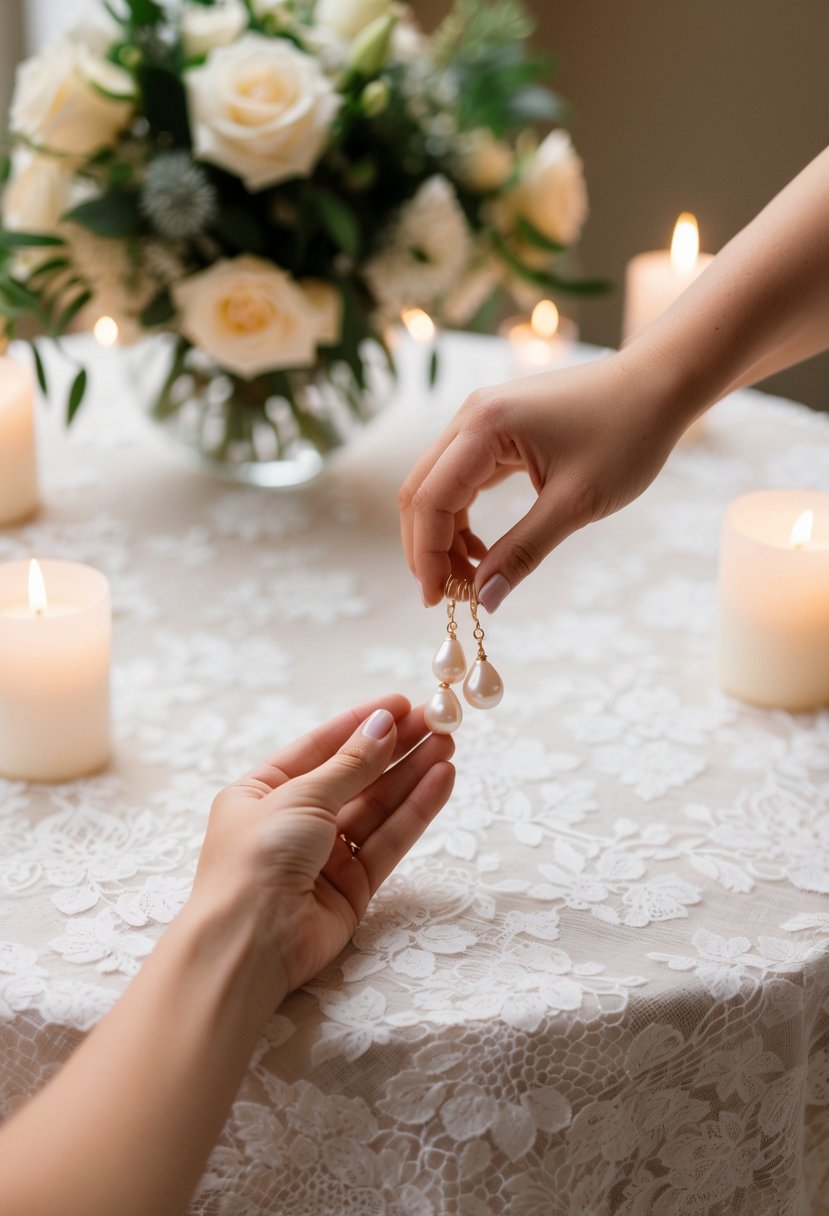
x: 762, y: 305
x: 128, y: 1123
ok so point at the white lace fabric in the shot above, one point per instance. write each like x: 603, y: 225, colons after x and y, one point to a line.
x: 600, y: 983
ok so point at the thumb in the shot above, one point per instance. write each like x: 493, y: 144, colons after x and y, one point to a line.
x: 522, y: 549
x: 359, y: 762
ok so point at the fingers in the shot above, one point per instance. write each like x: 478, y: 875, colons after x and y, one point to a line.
x: 358, y: 763
x: 386, y: 847
x: 447, y: 489
x: 521, y: 550
x: 370, y: 809
x: 313, y: 749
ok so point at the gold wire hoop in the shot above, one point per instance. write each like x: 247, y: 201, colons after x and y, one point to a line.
x: 462, y: 589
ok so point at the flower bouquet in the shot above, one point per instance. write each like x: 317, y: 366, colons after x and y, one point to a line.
x: 269, y: 184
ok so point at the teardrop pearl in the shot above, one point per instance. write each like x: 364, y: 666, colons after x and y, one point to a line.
x: 483, y: 687
x: 443, y: 714
x: 449, y: 664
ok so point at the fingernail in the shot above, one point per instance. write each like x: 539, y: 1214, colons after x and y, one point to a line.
x: 493, y: 593
x: 420, y: 589
x: 378, y: 725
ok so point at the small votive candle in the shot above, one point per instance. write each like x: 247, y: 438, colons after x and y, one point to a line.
x: 774, y: 599
x: 18, y: 462
x: 55, y: 640
x: 541, y: 340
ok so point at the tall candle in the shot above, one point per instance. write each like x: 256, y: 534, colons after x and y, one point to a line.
x: 654, y: 280
x: 774, y: 599
x: 540, y: 341
x: 18, y: 465
x: 55, y: 627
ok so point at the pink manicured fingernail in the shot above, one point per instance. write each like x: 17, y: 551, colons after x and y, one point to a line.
x: 378, y: 725
x: 493, y: 593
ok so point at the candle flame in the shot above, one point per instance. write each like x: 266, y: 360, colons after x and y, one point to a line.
x: 419, y: 324
x: 37, y: 589
x: 802, y: 530
x: 685, y: 243
x: 545, y: 319
x: 105, y: 330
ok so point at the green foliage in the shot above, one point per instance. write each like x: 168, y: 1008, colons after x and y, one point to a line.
x: 473, y: 31
x: 339, y: 221
x: 76, y: 395
x: 113, y: 214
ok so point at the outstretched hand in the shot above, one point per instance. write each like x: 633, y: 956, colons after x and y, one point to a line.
x: 372, y: 774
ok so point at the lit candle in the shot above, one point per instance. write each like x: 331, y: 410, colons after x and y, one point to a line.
x: 654, y: 280
x: 540, y: 341
x: 54, y: 670
x: 774, y: 599
x: 18, y: 464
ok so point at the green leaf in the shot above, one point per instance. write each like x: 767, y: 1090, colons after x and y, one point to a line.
x: 76, y: 396
x: 580, y: 287
x: 40, y: 371
x: 164, y: 102
x: 19, y: 295
x: 339, y: 221
x: 158, y: 312
x: 528, y: 232
x: 239, y: 227
x: 434, y: 367
x: 71, y: 311
x: 114, y: 214
x: 44, y: 269
x: 546, y: 279
x: 144, y: 12
x: 27, y: 240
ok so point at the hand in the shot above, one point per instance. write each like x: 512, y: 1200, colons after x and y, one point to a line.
x: 274, y: 834
x: 591, y: 438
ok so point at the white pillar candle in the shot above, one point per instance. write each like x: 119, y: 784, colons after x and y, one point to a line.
x: 774, y: 599
x: 654, y: 280
x: 18, y: 465
x: 54, y: 670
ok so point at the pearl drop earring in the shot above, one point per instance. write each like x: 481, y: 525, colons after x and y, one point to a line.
x: 483, y: 687
x: 443, y: 714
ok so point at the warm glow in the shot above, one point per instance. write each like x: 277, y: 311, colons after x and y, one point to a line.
x: 802, y: 530
x: 37, y: 589
x: 545, y: 319
x: 685, y: 244
x: 106, y: 331
x: 419, y: 324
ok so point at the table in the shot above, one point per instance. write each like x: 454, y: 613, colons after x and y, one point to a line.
x: 600, y: 984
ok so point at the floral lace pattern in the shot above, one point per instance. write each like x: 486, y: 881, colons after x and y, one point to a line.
x: 600, y: 983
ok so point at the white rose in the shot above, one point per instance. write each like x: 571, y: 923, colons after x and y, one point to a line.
x: 261, y: 109
x: 485, y: 162
x: 268, y: 8
x: 96, y: 29
x: 348, y: 17
x: 203, y: 29
x: 37, y: 193
x: 69, y: 100
x: 252, y: 317
x: 552, y: 194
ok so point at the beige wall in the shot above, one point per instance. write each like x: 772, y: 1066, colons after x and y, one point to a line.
x: 10, y: 44
x: 707, y: 105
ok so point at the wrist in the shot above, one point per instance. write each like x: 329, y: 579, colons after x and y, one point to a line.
x: 231, y: 937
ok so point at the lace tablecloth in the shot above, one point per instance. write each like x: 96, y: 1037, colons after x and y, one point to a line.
x: 600, y: 984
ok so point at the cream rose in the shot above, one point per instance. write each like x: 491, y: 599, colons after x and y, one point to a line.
x: 552, y: 194
x: 252, y: 317
x: 348, y: 17
x: 70, y: 100
x: 261, y: 109
x: 484, y: 162
x: 203, y: 29
x: 37, y: 193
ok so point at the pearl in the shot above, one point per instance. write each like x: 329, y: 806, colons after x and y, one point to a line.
x: 483, y: 687
x: 443, y: 714
x: 449, y: 664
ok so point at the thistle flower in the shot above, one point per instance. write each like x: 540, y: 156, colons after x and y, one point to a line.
x: 177, y: 197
